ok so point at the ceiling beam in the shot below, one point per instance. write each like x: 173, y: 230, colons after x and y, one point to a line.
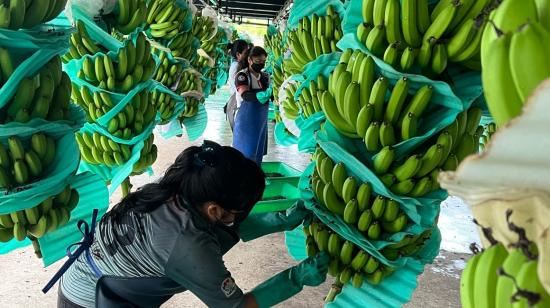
x: 237, y: 3
x: 251, y: 10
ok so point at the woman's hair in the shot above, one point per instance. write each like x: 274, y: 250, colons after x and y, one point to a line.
x: 209, y: 173
x: 255, y: 51
x: 239, y: 46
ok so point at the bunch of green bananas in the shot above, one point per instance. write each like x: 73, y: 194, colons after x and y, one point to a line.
x: 356, y: 103
x: 488, y: 132
x: 348, y: 262
x: 180, y: 46
x: 514, y: 56
x: 166, y: 105
x: 82, y: 44
x: 16, y: 14
x: 45, y: 95
x: 343, y: 195
x: 210, y: 46
x: 289, y: 105
x: 498, y: 277
x: 309, y: 97
x: 277, y: 79
x: 275, y: 44
x: 201, y: 63
x: 165, y: 18
x: 37, y: 221
x: 278, y: 118
x: 129, y: 122
x: 20, y: 164
x: 148, y: 156
x: 417, y: 175
x: 191, y: 107
x: 167, y: 73
x: 314, y: 37
x: 290, y: 68
x: 202, y: 27
x: 408, y: 246
x: 98, y: 149
x: 412, y: 32
x: 127, y: 16
x: 134, y: 64
x: 188, y: 81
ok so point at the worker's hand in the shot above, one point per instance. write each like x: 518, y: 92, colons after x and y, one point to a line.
x: 264, y: 96
x: 312, y: 271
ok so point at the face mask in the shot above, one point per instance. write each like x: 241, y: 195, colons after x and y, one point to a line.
x: 257, y: 67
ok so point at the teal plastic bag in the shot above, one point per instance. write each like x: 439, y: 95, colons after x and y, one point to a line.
x: 308, y: 129
x: 283, y: 136
x: 302, y: 8
x: 194, y: 126
x: 93, y: 195
x: 55, y: 176
x: 272, y: 30
x: 423, y: 211
x: 323, y: 65
x: 53, y: 246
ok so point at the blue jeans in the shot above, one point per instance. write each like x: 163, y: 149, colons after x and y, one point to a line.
x: 249, y: 134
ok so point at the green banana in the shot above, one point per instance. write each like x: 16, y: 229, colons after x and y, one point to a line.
x: 363, y: 196
x: 408, y: 169
x: 351, y: 212
x: 383, y: 160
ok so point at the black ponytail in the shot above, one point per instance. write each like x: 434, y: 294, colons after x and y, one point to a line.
x: 210, y: 173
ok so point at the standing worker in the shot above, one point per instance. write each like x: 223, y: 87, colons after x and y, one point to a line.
x: 250, y: 132
x: 170, y: 237
x: 239, y: 48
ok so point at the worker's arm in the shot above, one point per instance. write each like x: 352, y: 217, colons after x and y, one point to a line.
x: 242, y: 84
x: 311, y: 272
x: 258, y: 225
x: 197, y: 264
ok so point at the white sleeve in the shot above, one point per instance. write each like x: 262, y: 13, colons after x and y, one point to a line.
x: 232, y: 75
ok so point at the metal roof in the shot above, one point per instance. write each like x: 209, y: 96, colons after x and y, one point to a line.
x: 238, y: 9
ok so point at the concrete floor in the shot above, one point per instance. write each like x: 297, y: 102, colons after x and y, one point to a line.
x: 250, y: 263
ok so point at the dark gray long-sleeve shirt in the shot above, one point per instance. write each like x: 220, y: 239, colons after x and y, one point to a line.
x: 173, y: 242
